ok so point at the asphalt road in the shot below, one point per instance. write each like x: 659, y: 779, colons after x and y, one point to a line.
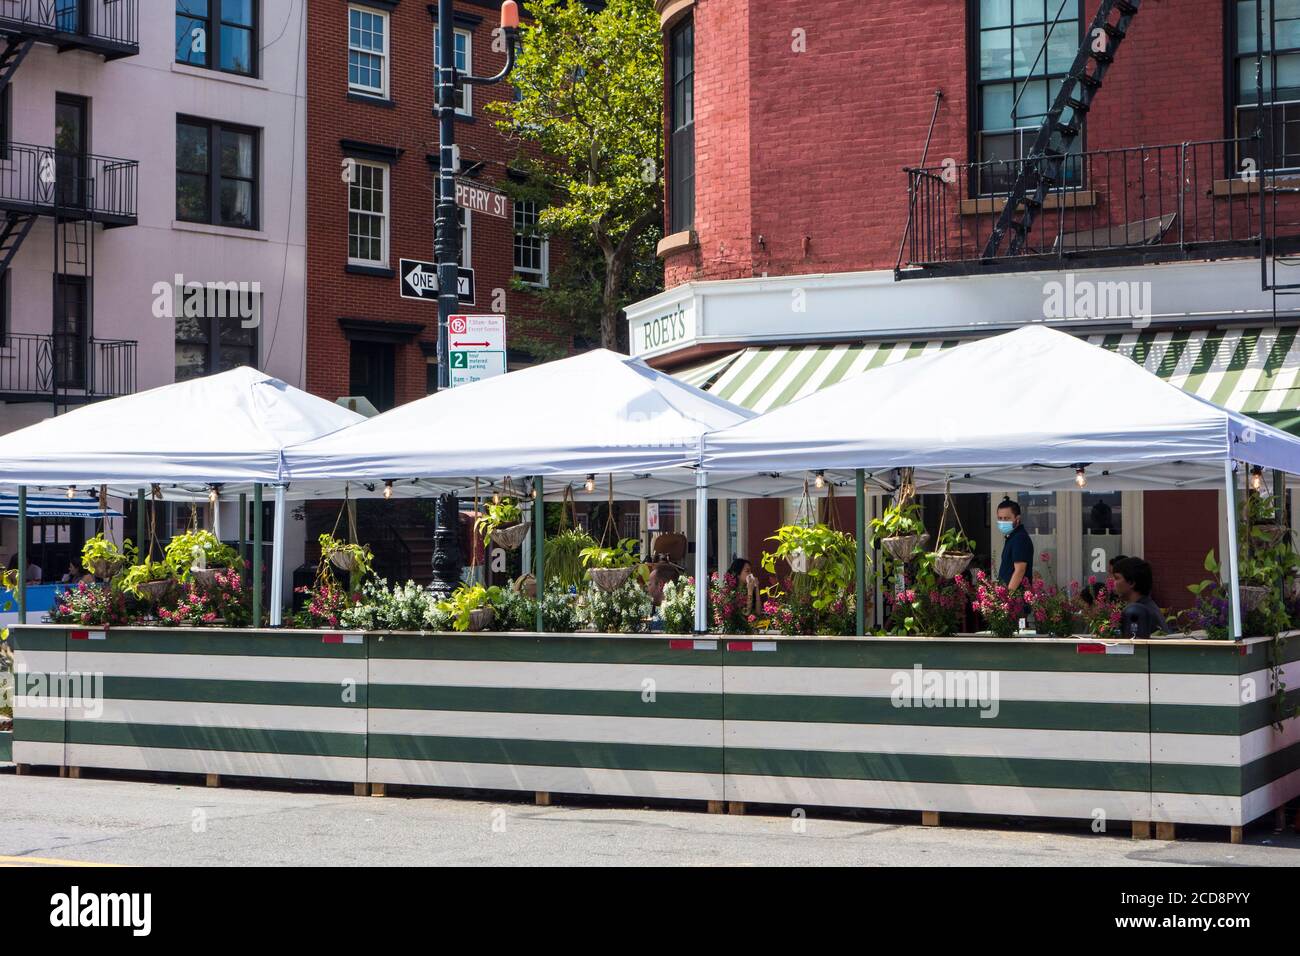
x: 48, y: 821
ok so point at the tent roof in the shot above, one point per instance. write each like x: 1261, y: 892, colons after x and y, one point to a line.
x: 1018, y: 410
x: 227, y: 427
x: 597, y: 412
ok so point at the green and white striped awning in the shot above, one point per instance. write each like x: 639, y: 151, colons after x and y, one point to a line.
x: 1251, y: 370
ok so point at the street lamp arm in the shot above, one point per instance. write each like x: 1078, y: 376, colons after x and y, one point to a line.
x: 512, y: 41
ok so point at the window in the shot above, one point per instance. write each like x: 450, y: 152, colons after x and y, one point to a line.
x: 1025, y: 49
x: 217, y: 331
x: 681, y: 155
x: 466, y: 237
x: 216, y: 173
x: 532, y: 248
x: 71, y: 330
x: 1281, y: 80
x: 367, y: 52
x: 218, y: 34
x: 464, y: 65
x: 368, y: 215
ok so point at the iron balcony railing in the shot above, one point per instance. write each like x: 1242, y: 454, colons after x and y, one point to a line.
x: 65, y: 368
x: 1112, y: 206
x: 48, y: 182
x: 110, y: 27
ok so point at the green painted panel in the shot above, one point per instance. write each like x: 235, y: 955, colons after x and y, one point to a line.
x: 6, y: 747
x: 235, y: 739
x: 1195, y: 778
x: 518, y: 700
x: 548, y: 753
x: 1010, y: 655
x: 1017, y: 714
x: 38, y: 731
x: 233, y: 643
x: 36, y: 639
x: 934, y: 768
x: 550, y: 649
x: 297, y: 693
x: 1270, y: 767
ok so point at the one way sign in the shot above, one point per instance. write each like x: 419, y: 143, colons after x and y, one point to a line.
x: 419, y: 280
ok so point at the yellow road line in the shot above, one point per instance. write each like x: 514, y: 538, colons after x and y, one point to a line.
x: 45, y: 861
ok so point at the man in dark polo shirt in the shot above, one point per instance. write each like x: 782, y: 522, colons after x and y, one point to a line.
x: 1017, y: 568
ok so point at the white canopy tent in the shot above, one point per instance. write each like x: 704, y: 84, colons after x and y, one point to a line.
x: 225, y: 429
x: 1027, y: 409
x: 597, y: 413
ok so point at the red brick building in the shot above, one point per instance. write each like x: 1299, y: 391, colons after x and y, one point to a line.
x: 837, y: 171
x: 371, y: 96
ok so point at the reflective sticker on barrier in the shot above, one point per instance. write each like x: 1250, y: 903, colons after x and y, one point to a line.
x: 353, y: 637
x: 88, y: 635
x: 1104, y: 649
x: 682, y: 644
x: 751, y: 645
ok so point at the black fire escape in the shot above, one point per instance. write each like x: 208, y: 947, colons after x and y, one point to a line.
x: 1058, y: 206
x: 76, y: 191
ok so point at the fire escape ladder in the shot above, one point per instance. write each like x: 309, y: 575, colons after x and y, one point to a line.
x: 1042, y: 170
x: 12, y: 56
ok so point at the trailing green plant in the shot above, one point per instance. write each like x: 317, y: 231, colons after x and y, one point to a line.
x: 355, y: 559
x: 829, y: 557
x: 954, y: 541
x: 677, y: 609
x: 564, y: 566
x: 793, y: 614
x: 146, y: 572
x: 199, y: 548
x: 621, y: 555
x: 99, y: 554
x: 898, y: 520
x: 625, y: 610
x: 503, y: 514
x: 466, y: 599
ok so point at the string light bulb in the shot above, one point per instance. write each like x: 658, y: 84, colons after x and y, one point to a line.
x: 212, y: 494
x: 1081, y: 477
x: 590, y: 484
x: 496, y: 497
x: 1256, y: 478
x: 819, y: 479
x: 72, y: 492
x: 388, y: 490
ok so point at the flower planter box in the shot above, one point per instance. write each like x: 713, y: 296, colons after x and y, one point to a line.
x: 1173, y: 731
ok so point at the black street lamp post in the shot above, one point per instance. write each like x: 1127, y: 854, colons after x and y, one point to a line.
x: 447, y: 561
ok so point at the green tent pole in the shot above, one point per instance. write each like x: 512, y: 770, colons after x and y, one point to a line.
x: 139, y: 526
x: 539, y: 548
x: 243, y: 526
x: 860, y: 582
x: 22, y: 554
x: 257, y: 555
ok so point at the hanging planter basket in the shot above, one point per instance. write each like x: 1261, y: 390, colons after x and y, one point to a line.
x: 106, y: 568
x: 903, y: 546
x: 1274, y: 533
x: 344, y: 560
x: 951, y: 563
x: 512, y: 537
x: 802, y: 563
x: 1293, y: 589
x: 156, y: 591
x: 206, y: 578
x: 610, y: 579
x: 1252, y: 596
x: 481, y: 618
x: 526, y: 584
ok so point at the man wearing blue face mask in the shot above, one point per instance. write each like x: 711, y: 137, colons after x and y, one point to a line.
x: 1017, y: 566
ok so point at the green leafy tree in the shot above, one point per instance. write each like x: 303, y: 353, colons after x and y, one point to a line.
x: 590, y: 85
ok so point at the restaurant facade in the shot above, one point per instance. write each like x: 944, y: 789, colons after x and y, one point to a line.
x: 817, y: 228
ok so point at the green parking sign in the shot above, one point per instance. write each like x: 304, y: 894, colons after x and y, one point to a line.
x: 460, y: 360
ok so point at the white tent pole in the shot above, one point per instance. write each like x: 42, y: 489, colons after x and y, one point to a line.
x: 701, y: 551
x: 1234, y: 589
x: 277, y: 560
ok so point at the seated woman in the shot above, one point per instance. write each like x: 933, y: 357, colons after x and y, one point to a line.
x: 743, y: 572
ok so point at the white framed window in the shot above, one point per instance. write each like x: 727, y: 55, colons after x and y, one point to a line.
x: 466, y: 221
x: 532, y: 247
x: 464, y: 64
x: 368, y: 215
x: 368, y: 52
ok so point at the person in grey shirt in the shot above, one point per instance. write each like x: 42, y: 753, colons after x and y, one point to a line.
x: 1142, y: 616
